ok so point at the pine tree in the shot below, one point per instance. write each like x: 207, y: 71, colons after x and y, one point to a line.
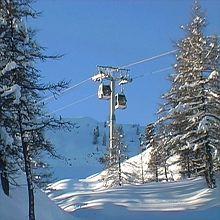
x: 6, y: 140
x: 115, y: 175
x: 191, y: 111
x: 142, y: 149
x: 155, y: 154
x: 24, y: 117
x: 145, y: 137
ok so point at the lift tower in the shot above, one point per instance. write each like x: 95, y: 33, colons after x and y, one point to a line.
x: 114, y: 75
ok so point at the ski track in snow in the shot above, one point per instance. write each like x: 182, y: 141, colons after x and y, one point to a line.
x: 89, y: 196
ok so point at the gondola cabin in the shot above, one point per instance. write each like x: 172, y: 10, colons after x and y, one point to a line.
x: 104, y: 91
x: 120, y: 101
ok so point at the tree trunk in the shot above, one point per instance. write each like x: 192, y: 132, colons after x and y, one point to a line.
x: 142, y: 170
x: 188, y: 164
x: 4, y: 176
x: 209, y: 173
x: 165, y: 172
x: 156, y: 174
x: 119, y: 171
x: 28, y: 173
x: 5, y: 183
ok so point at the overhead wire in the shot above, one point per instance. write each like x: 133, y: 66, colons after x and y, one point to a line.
x: 65, y: 90
x: 125, y: 66
x: 156, y: 71
x: 148, y: 59
x: 73, y: 103
x: 90, y: 96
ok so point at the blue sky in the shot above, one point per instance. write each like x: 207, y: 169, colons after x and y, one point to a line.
x: 101, y: 32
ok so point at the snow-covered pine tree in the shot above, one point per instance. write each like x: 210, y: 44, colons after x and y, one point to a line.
x: 23, y: 118
x: 192, y: 107
x: 145, y: 137
x: 148, y: 140
x: 120, y: 129
x: 114, y: 175
x: 9, y: 94
x: 156, y: 154
x: 142, y: 149
x: 213, y: 120
x: 6, y: 140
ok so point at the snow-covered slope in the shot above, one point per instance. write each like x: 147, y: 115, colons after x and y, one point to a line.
x: 81, y: 161
x: 183, y: 200
x: 89, y: 199
x: 82, y: 156
x: 15, y: 207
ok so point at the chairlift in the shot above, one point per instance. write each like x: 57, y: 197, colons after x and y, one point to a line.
x: 120, y: 101
x: 104, y: 91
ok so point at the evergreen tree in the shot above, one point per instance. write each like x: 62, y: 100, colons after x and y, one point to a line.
x: 115, y: 175
x: 155, y: 154
x: 6, y: 140
x: 23, y: 118
x: 191, y: 110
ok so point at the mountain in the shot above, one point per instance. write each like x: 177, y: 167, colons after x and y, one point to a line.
x: 81, y: 155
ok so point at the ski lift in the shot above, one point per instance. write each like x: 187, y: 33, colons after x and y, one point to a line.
x: 104, y: 91
x: 120, y: 101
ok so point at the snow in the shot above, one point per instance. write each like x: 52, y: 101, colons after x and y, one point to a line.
x: 15, y: 207
x: 16, y: 90
x: 186, y: 200
x: 213, y: 94
x: 214, y: 75
x: 10, y: 66
x: 187, y: 85
x: 21, y: 27
x: 4, y: 135
x: 207, y: 121
x: 179, y: 108
x: 3, y: 21
x: 204, y: 124
x: 87, y: 198
x: 67, y: 193
x: 82, y: 156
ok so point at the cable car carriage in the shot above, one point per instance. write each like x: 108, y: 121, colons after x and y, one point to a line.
x: 120, y: 101
x: 104, y: 91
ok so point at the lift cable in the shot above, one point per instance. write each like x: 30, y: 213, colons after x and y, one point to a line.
x: 148, y: 59
x: 156, y: 71
x: 92, y: 95
x: 66, y: 90
x: 73, y: 103
x: 125, y: 66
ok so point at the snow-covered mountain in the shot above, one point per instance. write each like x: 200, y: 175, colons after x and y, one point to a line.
x: 82, y: 156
